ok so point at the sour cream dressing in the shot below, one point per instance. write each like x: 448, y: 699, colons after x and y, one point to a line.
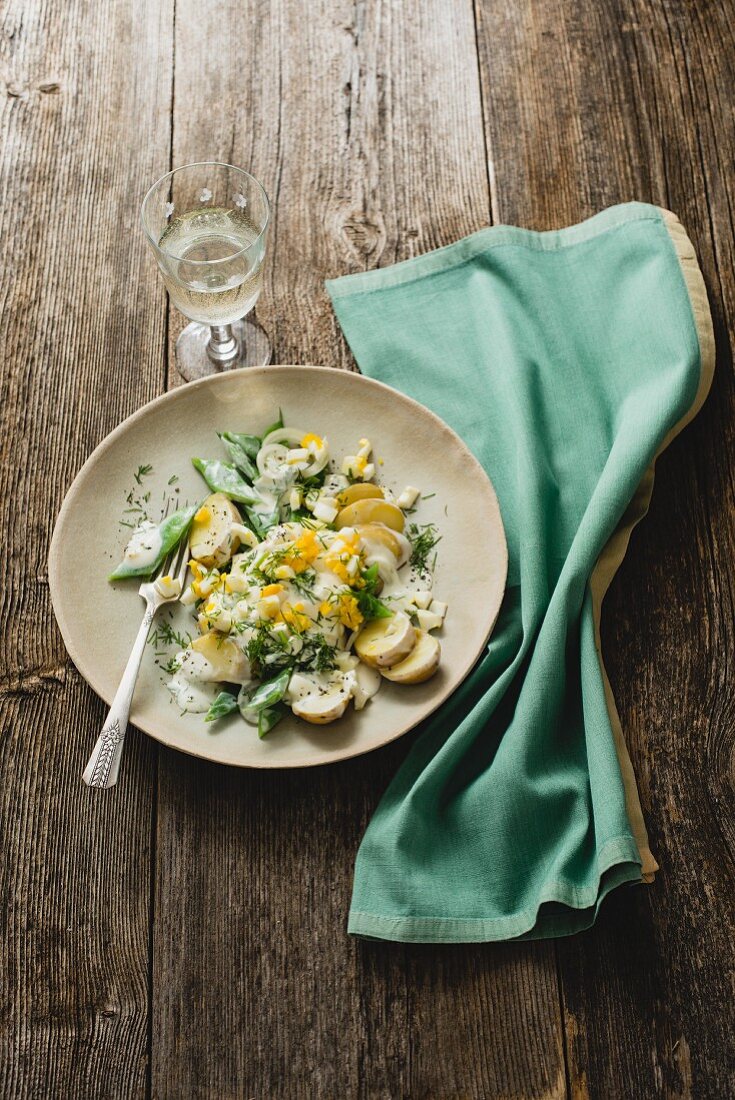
x: 144, y: 546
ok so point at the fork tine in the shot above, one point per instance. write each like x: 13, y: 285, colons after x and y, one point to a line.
x: 174, y: 556
x: 183, y: 561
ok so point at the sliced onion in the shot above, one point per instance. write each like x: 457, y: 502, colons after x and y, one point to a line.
x: 271, y: 457
x: 291, y: 437
x: 318, y: 462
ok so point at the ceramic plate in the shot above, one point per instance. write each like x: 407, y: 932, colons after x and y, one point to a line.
x: 99, y: 620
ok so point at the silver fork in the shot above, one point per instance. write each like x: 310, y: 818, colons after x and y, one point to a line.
x: 104, y: 763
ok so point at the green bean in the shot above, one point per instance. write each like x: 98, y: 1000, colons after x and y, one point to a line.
x: 169, y: 532
x: 266, y: 694
x: 223, y: 705
x: 239, y: 455
x: 274, y: 427
x: 222, y: 478
x: 250, y: 444
x: 270, y: 717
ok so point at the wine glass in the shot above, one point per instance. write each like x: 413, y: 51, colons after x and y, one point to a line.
x: 207, y: 225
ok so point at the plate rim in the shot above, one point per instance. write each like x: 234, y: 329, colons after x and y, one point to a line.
x: 212, y: 381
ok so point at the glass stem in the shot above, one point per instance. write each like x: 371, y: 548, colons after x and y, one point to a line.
x: 223, y: 347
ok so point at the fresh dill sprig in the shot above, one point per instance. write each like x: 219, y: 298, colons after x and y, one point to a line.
x: 268, y: 649
x: 317, y: 654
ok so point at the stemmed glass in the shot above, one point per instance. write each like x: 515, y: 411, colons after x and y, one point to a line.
x: 207, y: 224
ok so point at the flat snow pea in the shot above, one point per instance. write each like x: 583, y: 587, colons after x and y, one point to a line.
x: 266, y: 694
x: 237, y: 455
x: 224, y: 704
x: 169, y: 532
x: 269, y: 717
x: 222, y: 478
x: 250, y: 444
x: 274, y: 427
x: 260, y: 523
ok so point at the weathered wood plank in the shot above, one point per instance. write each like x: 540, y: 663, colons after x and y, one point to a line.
x: 364, y: 123
x: 83, y: 115
x: 74, y: 883
x: 587, y: 107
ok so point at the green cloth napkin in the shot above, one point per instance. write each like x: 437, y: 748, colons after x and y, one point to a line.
x: 566, y: 361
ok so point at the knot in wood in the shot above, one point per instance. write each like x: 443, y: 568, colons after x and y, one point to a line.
x: 365, y: 234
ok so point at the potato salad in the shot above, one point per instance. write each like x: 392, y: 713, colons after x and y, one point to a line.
x: 308, y: 583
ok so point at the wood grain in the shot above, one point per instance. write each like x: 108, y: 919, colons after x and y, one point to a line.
x: 632, y: 100
x: 366, y: 130
x: 83, y: 113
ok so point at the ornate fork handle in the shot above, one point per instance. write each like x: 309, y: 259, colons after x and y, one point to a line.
x: 104, y: 763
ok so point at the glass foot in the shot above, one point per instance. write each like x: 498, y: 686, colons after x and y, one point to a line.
x: 192, y: 360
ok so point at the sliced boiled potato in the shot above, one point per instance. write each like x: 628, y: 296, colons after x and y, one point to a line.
x: 322, y: 707
x: 299, y: 686
x: 384, y: 536
x: 420, y: 665
x: 385, y: 642
x: 371, y: 510
x: 212, y: 540
x: 227, y: 660
x: 361, y: 490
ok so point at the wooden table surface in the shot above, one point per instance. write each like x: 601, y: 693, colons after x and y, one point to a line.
x: 184, y: 935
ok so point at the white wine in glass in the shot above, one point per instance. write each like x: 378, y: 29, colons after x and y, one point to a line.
x: 207, y: 225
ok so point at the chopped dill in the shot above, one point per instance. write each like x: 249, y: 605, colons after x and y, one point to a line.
x: 165, y: 635
x: 172, y: 480
x: 142, y: 472
x: 423, y: 539
x: 304, y: 582
x: 314, y: 481
x: 305, y: 518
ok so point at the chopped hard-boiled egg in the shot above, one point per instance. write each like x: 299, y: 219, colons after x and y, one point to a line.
x: 168, y: 587
x: 408, y: 497
x: 325, y: 509
x: 429, y: 620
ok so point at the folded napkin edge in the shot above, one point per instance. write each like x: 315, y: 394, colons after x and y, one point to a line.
x: 614, y: 552
x: 491, y: 236
x: 618, y: 864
